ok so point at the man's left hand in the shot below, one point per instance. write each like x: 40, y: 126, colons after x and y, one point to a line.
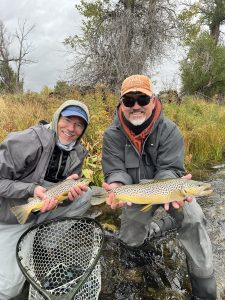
x: 77, y: 190
x: 178, y: 204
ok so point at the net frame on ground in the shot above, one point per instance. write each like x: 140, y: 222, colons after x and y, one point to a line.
x: 74, y: 246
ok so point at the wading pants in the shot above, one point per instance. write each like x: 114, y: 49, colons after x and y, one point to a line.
x: 191, y: 233
x: 11, y: 278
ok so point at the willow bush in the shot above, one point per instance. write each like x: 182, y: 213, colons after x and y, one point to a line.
x: 202, y: 124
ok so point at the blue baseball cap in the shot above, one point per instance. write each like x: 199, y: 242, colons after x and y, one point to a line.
x: 74, y: 110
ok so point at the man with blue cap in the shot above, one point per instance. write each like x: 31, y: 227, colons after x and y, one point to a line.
x: 30, y: 161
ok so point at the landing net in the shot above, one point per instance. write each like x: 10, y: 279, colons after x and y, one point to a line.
x: 60, y: 258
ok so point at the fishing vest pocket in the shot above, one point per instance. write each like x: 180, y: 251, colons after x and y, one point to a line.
x: 131, y: 157
x: 132, y: 163
x: 147, y: 168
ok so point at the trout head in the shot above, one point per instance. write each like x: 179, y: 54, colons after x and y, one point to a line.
x: 196, y: 188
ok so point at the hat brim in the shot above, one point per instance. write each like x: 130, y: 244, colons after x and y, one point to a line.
x: 144, y: 91
x: 75, y: 114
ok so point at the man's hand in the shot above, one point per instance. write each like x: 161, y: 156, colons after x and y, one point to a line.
x: 178, y: 204
x: 49, y: 204
x: 77, y: 190
x: 73, y: 176
x: 111, y: 196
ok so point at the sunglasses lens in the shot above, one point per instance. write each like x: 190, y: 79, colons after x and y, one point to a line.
x: 128, y: 101
x: 141, y: 100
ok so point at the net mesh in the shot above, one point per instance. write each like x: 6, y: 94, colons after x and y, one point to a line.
x: 58, y: 256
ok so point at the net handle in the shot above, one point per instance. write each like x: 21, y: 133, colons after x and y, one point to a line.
x: 71, y: 294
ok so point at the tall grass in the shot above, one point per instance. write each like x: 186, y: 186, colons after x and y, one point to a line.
x: 203, y: 127
x: 202, y: 124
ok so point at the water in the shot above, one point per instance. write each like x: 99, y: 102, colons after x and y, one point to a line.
x: 158, y: 272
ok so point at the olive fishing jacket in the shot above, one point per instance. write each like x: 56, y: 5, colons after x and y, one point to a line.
x: 162, y: 153
x: 24, y: 158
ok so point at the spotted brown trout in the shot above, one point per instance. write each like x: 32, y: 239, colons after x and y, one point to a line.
x: 58, y: 191
x: 160, y: 191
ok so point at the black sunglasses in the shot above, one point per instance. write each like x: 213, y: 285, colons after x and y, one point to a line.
x: 142, y: 100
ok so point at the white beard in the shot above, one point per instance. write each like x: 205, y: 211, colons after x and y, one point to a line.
x: 137, y: 122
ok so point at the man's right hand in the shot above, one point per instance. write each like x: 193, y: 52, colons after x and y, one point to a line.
x: 49, y: 204
x: 111, y: 196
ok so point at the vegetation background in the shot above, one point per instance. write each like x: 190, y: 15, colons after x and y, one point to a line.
x: 118, y: 39
x: 201, y: 124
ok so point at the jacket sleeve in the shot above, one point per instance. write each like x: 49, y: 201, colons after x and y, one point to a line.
x: 113, y: 159
x: 170, y: 153
x: 18, y: 156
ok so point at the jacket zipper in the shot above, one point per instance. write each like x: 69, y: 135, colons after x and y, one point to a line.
x: 59, y: 165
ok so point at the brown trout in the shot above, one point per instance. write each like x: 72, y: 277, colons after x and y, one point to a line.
x: 58, y: 191
x: 150, y: 192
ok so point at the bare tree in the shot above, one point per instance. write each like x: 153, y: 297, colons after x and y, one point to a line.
x: 121, y: 38
x: 25, y: 47
x: 8, y: 77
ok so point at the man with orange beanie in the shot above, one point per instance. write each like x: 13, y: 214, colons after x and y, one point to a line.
x: 142, y: 143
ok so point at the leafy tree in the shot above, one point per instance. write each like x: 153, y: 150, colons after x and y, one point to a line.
x: 62, y: 88
x: 199, y: 15
x: 120, y: 38
x: 8, y: 78
x: 201, y: 23
x: 204, y: 68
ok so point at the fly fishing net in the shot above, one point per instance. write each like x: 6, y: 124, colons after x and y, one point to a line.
x: 60, y: 258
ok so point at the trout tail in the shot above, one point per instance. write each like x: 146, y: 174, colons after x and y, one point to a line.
x: 98, y: 195
x: 21, y: 212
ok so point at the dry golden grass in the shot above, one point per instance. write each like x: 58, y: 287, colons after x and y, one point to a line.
x: 203, y: 127
x: 202, y: 124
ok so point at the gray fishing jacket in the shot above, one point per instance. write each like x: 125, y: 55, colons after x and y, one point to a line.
x: 24, y: 158
x: 162, y: 153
